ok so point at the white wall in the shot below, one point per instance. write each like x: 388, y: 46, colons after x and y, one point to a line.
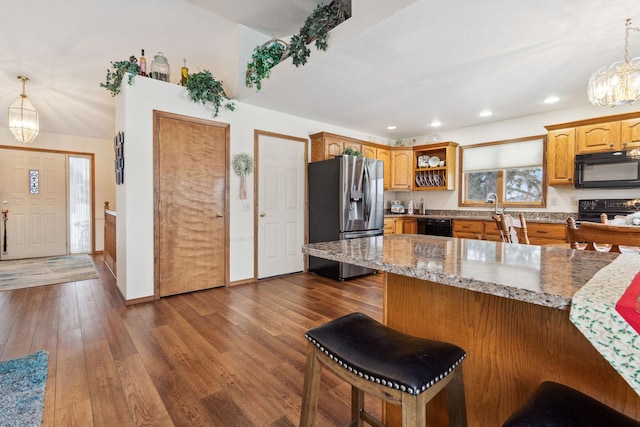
x: 559, y: 198
x: 104, y: 174
x: 134, y: 116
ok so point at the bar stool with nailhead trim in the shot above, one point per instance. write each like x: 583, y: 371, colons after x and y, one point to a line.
x: 556, y: 405
x: 395, y: 367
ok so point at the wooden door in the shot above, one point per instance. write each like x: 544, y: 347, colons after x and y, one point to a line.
x: 282, y: 166
x: 385, y: 156
x: 401, y: 169
x: 191, y: 197
x: 630, y: 133
x: 332, y: 147
x: 369, y: 152
x: 560, y: 156
x: 33, y: 190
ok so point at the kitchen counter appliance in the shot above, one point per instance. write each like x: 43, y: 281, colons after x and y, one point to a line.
x: 435, y: 226
x: 345, y: 202
x: 606, y: 170
x: 590, y: 209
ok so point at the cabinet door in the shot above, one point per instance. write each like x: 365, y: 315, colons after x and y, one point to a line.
x: 560, y: 156
x: 598, y: 138
x: 369, y: 152
x: 385, y: 156
x: 630, y: 133
x: 332, y: 148
x: 389, y: 226
x: 467, y: 229
x: 401, y: 169
x: 352, y: 145
x: 545, y: 233
x: 410, y: 226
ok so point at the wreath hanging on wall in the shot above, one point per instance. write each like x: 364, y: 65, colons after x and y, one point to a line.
x: 242, y: 166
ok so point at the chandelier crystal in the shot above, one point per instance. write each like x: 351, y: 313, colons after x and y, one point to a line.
x: 23, y: 117
x: 619, y: 83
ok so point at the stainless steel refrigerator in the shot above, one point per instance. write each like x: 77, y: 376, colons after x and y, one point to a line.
x: 345, y: 202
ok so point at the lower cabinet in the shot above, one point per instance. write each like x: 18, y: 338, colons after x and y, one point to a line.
x: 400, y: 226
x: 540, y: 233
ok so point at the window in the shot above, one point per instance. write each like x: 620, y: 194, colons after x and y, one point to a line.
x: 513, y: 169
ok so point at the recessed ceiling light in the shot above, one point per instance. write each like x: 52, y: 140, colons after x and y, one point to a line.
x: 551, y: 99
x: 392, y: 127
x: 436, y: 123
x: 485, y: 113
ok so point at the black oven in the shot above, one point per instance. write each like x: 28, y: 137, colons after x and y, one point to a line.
x: 590, y: 210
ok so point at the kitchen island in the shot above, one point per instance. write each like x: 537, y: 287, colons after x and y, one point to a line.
x: 507, y: 305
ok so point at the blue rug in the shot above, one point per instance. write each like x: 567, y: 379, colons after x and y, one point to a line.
x: 22, y: 384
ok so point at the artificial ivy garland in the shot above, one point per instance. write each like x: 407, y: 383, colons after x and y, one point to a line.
x: 242, y: 166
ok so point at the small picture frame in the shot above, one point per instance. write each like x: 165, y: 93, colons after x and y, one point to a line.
x: 118, y: 146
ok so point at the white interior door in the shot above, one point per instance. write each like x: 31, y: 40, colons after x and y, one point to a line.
x: 281, y: 202
x: 33, y: 190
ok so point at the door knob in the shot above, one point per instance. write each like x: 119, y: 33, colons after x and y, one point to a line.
x: 262, y: 214
x: 219, y: 215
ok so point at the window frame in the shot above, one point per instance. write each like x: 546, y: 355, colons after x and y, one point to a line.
x: 462, y: 176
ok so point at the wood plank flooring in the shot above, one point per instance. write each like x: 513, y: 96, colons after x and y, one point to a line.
x: 220, y: 357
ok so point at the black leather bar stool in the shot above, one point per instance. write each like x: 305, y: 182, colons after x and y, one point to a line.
x: 396, y: 367
x: 553, y: 404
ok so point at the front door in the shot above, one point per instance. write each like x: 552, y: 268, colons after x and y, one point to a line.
x: 33, y: 190
x: 191, y: 174
x: 281, y: 203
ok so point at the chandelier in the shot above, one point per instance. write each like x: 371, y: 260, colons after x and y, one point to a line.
x: 620, y: 83
x: 23, y: 117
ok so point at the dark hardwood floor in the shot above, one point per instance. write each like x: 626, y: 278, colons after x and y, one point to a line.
x: 221, y: 357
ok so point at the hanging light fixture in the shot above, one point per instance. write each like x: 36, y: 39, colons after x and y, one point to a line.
x: 620, y: 83
x: 23, y: 117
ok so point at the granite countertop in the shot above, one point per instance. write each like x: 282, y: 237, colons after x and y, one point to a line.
x: 543, y: 217
x: 544, y: 275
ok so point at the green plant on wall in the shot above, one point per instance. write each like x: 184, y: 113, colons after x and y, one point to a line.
x: 204, y: 88
x: 263, y: 59
x: 316, y: 28
x: 115, y: 76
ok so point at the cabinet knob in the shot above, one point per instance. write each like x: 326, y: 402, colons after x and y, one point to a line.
x: 219, y: 215
x: 610, y: 145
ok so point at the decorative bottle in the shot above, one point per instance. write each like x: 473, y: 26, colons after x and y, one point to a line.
x: 160, y: 69
x: 184, y: 73
x: 143, y: 64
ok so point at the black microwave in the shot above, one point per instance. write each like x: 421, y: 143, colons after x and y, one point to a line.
x: 607, y: 170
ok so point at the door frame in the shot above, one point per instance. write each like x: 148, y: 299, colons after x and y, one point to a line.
x: 157, y: 114
x: 256, y: 149
x: 92, y: 156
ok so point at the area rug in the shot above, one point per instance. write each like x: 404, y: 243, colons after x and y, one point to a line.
x: 22, y: 385
x: 27, y: 273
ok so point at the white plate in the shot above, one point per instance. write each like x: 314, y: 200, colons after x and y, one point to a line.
x: 434, y: 161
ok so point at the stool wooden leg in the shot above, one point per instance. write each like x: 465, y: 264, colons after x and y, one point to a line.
x: 357, y: 406
x: 456, y: 405
x: 311, y: 388
x: 414, y: 411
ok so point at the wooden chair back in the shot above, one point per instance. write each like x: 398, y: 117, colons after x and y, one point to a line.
x: 593, y: 233
x: 512, y: 230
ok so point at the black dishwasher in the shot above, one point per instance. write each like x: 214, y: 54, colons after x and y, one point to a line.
x: 435, y: 226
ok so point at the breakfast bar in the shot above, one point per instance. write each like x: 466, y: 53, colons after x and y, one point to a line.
x: 507, y: 305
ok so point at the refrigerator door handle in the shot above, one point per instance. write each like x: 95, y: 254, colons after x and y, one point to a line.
x: 366, y: 202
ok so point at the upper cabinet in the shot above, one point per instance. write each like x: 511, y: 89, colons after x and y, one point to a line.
x: 434, y: 166
x: 598, y: 138
x: 561, y: 156
x: 601, y: 134
x: 400, y: 163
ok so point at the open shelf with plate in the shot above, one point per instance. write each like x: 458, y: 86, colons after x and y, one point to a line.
x: 434, y: 166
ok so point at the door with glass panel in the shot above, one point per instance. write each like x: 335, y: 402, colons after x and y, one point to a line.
x: 33, y: 199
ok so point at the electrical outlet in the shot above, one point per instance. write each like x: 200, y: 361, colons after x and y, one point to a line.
x: 553, y: 201
x: 244, y: 206
x: 574, y: 201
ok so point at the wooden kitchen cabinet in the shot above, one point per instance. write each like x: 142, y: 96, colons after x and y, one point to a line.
x: 429, y: 178
x: 369, y: 152
x: 401, y: 169
x: 598, y: 138
x: 541, y: 233
x: 403, y: 225
x: 561, y: 156
x: 630, y: 133
x: 385, y: 155
x: 467, y: 229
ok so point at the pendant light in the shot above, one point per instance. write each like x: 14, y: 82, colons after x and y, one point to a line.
x: 619, y: 83
x: 23, y: 117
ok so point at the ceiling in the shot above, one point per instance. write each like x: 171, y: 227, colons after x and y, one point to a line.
x: 420, y: 61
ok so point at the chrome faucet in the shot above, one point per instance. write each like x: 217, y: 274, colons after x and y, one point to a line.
x: 493, y: 198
